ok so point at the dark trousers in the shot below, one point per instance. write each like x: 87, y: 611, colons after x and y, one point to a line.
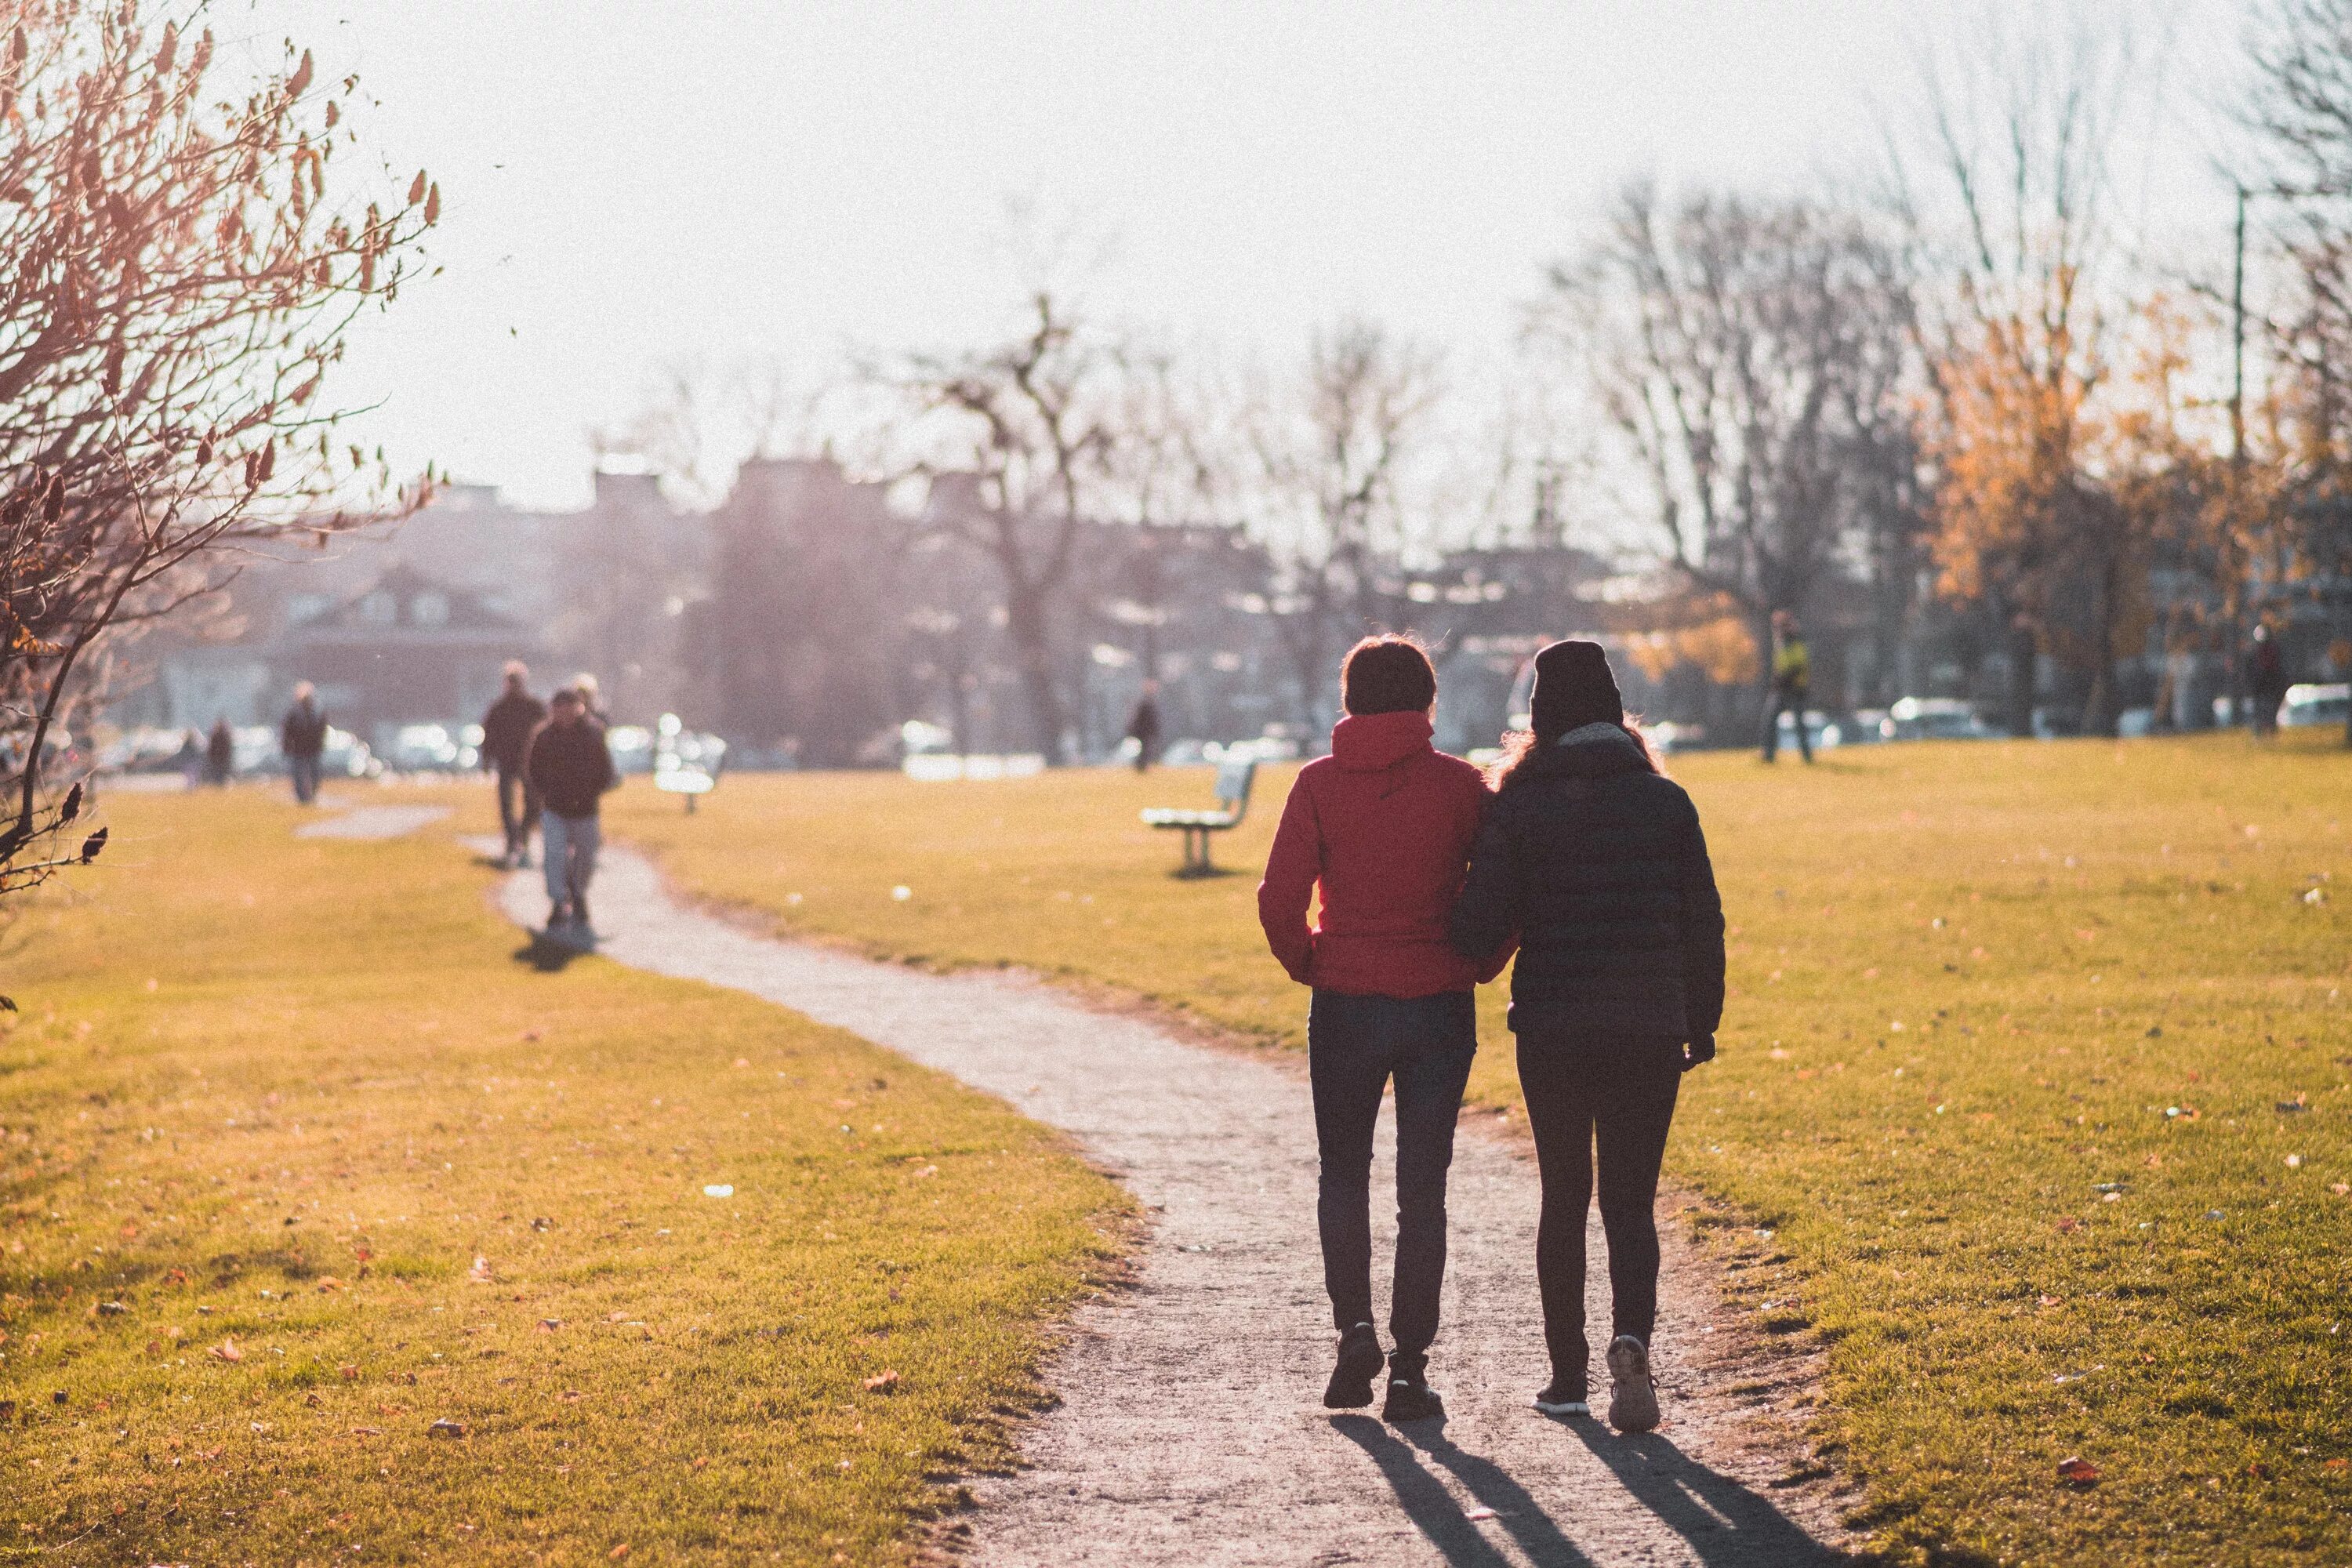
x: 304, y: 771
x: 1774, y: 706
x: 1355, y: 1045
x: 1616, y: 1097
x: 518, y: 808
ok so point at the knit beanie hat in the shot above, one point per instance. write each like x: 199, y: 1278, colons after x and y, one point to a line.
x: 1573, y: 687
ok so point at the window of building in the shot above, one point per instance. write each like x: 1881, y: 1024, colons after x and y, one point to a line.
x: 429, y: 609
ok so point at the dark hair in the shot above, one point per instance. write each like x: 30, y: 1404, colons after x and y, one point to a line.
x: 571, y: 694
x: 1521, y: 747
x: 1387, y: 674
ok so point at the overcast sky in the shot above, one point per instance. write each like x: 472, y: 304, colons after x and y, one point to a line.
x: 629, y: 185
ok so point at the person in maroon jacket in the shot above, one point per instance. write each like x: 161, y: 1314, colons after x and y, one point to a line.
x: 1383, y: 827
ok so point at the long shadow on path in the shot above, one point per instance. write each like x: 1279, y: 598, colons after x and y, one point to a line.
x: 1725, y: 1522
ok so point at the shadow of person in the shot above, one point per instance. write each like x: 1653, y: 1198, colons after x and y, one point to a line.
x: 1725, y: 1522
x: 1514, y: 1509
x: 1423, y: 1497
x: 551, y: 955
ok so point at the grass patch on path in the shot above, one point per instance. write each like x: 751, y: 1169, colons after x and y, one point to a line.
x: 297, y: 1160
x: 2033, y: 1101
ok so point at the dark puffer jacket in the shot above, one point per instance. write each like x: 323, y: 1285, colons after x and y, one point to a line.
x: 1599, y: 867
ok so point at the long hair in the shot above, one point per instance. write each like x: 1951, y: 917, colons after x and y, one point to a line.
x: 1521, y: 746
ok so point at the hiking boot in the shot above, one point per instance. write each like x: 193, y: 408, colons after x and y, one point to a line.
x: 1563, y: 1396
x: 1634, y: 1401
x: 1410, y: 1396
x: 1360, y: 1362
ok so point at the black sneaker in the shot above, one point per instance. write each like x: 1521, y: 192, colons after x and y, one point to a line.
x: 1410, y: 1396
x: 1563, y: 1397
x: 1360, y: 1362
x: 579, y: 911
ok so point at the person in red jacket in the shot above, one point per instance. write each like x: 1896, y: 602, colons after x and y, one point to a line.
x: 1383, y: 827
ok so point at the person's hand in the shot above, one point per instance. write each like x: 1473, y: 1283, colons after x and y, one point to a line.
x: 1701, y: 1050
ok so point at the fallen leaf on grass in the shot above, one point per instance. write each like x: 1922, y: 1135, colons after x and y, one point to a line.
x: 479, y: 1274
x: 1480, y: 1513
x: 227, y: 1350
x: 351, y: 1373
x: 367, y: 1431
x: 445, y: 1427
x: 882, y: 1382
x: 2337, y: 1465
x: 619, y: 1552
x: 328, y: 1283
x: 616, y: 1317
x: 2068, y: 1224
x: 2077, y: 1471
x: 2050, y: 1301
x: 548, y: 1325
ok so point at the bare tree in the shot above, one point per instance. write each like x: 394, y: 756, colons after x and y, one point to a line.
x: 1327, y: 452
x: 2020, y: 341
x: 1750, y: 358
x: 1022, y: 432
x: 175, y: 285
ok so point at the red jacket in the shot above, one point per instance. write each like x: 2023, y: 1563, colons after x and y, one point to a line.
x: 1385, y: 825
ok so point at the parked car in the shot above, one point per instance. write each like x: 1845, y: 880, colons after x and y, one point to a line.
x: 1935, y: 719
x: 431, y: 748
x: 2313, y: 706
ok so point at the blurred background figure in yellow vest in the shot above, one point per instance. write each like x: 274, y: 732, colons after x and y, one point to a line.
x: 1792, y: 679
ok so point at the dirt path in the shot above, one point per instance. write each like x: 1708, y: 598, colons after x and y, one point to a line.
x: 372, y: 821
x: 1191, y: 1429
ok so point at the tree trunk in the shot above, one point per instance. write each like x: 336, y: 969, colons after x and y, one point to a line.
x: 1024, y: 625
x: 2100, y: 707
x: 2023, y: 644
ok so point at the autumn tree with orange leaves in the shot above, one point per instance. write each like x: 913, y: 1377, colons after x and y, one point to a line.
x: 178, y: 267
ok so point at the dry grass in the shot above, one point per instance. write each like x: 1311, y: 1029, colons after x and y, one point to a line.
x: 270, y: 1101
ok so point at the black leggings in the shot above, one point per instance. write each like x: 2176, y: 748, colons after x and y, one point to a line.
x: 1617, y: 1095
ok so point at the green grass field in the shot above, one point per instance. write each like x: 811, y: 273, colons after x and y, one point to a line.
x: 2033, y: 1108
x: 298, y: 1161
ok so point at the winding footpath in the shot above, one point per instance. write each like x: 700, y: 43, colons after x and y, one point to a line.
x: 1189, y: 1429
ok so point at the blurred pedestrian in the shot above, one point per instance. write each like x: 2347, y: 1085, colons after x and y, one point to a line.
x: 592, y: 695
x: 302, y: 737
x: 1382, y: 827
x: 1793, y: 682
x: 569, y: 765
x: 505, y: 736
x: 1143, y: 728
x: 220, y: 754
x: 190, y: 759
x: 1594, y: 859
x: 2266, y: 681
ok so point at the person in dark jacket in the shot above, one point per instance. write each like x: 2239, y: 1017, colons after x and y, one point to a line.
x: 2266, y: 681
x: 506, y: 735
x: 220, y: 754
x: 1793, y: 683
x: 303, y: 738
x: 1143, y: 728
x: 569, y: 764
x: 1594, y: 860
x: 1383, y: 827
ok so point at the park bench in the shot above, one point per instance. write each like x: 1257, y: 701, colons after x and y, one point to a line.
x: 1234, y: 778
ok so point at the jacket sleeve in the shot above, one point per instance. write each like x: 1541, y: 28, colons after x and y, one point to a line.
x: 1485, y: 924
x: 534, y: 767
x: 1292, y: 868
x: 1702, y: 935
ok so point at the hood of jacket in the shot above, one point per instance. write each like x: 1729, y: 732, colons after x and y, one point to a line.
x: 1370, y: 742
x: 1595, y: 752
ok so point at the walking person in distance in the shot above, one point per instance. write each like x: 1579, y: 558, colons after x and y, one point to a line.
x: 302, y: 737
x: 1595, y: 861
x: 506, y: 735
x: 1143, y: 727
x: 1383, y: 827
x: 570, y: 767
x: 1793, y: 683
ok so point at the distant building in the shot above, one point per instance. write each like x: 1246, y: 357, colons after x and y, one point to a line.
x: 406, y: 649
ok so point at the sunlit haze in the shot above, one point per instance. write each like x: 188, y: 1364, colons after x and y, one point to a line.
x: 631, y: 186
